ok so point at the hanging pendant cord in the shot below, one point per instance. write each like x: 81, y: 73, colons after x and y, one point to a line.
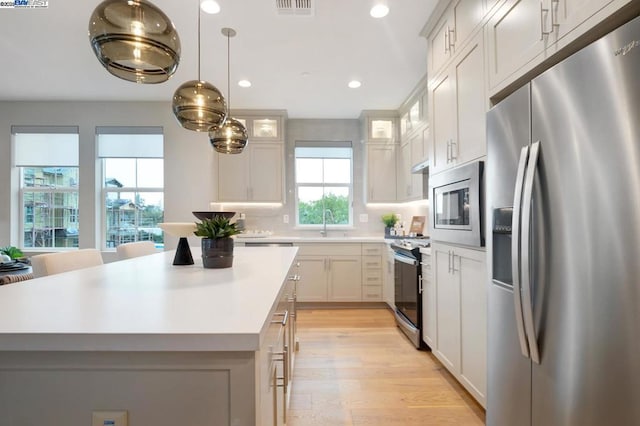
x: 229, y: 71
x: 199, y: 41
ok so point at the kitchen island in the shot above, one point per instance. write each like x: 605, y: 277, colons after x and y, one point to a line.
x: 168, y: 344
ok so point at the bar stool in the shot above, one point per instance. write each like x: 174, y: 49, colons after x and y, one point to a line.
x: 136, y: 249
x: 55, y: 263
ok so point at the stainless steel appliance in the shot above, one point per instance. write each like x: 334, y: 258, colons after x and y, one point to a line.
x: 456, y: 205
x: 563, y: 191
x: 408, y: 288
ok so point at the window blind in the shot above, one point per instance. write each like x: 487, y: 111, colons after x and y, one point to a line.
x: 45, y: 146
x: 130, y: 142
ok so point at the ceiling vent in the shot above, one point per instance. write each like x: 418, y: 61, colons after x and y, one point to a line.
x: 295, y: 7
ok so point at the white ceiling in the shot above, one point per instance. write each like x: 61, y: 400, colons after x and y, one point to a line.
x: 45, y: 55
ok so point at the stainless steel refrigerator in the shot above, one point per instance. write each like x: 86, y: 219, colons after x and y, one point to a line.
x: 563, y: 199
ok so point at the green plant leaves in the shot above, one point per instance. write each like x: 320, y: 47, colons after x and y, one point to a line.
x: 12, y: 252
x: 216, y: 227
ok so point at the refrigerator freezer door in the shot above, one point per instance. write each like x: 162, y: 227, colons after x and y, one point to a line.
x: 586, y: 236
x: 509, y: 372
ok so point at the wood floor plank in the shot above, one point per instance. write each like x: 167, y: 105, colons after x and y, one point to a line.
x: 356, y: 368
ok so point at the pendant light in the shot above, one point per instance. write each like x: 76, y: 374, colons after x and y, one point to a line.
x: 134, y: 40
x: 231, y: 137
x: 198, y: 105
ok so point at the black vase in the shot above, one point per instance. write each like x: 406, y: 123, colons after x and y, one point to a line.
x: 217, y: 253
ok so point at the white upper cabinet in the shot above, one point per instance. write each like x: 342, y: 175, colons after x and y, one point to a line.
x: 262, y: 127
x: 439, y: 45
x: 457, y: 109
x: 517, y: 34
x: 456, y: 24
x: 524, y: 33
x: 381, y: 173
x: 381, y: 129
x: 255, y: 175
x: 380, y: 138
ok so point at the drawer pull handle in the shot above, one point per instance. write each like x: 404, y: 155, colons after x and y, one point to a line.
x: 284, y: 315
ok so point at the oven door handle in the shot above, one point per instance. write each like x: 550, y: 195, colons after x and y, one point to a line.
x: 405, y: 259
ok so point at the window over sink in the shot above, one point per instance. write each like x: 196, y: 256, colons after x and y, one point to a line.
x: 324, y: 184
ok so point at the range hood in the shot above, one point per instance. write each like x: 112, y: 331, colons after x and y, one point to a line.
x: 421, y: 167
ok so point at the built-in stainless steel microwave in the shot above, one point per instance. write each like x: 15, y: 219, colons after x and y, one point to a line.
x: 456, y: 205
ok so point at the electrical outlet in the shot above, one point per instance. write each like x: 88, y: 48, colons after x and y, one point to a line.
x: 285, y: 218
x: 364, y: 218
x: 109, y: 418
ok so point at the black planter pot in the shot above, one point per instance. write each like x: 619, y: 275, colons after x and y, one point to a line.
x: 217, y: 253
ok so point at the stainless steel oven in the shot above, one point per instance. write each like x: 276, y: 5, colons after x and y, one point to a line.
x: 456, y: 205
x: 408, y: 290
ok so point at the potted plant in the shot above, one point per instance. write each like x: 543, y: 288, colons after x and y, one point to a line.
x: 389, y: 220
x: 13, y: 254
x: 217, y: 244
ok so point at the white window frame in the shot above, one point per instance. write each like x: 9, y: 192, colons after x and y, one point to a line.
x: 324, y: 144
x: 21, y: 165
x: 136, y: 189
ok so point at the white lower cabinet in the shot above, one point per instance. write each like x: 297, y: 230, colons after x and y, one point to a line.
x: 275, y: 358
x: 461, y: 315
x: 372, y: 272
x: 388, y: 281
x: 345, y: 278
x: 330, y: 272
x: 313, y: 279
x: 429, y: 304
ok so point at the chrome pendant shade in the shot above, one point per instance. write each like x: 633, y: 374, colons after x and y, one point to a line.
x: 199, y: 106
x: 232, y: 136
x: 134, y: 40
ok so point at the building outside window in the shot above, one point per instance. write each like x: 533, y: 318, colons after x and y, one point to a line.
x: 47, y: 158
x: 133, y: 184
x: 324, y: 188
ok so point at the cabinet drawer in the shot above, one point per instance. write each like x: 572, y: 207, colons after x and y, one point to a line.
x: 372, y: 278
x: 372, y: 250
x: 371, y: 262
x: 329, y: 249
x: 371, y: 293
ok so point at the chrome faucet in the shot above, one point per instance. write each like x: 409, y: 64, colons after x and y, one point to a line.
x: 324, y: 221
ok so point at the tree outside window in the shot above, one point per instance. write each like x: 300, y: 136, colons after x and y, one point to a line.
x: 324, y: 184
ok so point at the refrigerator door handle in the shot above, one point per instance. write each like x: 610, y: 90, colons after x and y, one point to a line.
x: 515, y: 250
x: 525, y: 242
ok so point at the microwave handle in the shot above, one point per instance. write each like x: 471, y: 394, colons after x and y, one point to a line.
x: 515, y: 250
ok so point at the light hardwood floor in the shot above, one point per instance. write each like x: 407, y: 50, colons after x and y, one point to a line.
x: 355, y: 367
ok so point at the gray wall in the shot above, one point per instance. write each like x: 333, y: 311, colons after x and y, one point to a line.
x: 190, y: 181
x: 189, y: 178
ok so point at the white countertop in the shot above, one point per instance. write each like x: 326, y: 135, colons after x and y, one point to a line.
x: 302, y: 240
x: 147, y: 304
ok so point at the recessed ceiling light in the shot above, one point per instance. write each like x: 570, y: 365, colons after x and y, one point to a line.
x: 354, y: 84
x: 379, y: 11
x: 244, y: 83
x: 210, y: 6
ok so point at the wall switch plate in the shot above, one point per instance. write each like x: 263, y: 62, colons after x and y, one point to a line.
x: 109, y: 418
x: 364, y: 218
x: 285, y: 218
